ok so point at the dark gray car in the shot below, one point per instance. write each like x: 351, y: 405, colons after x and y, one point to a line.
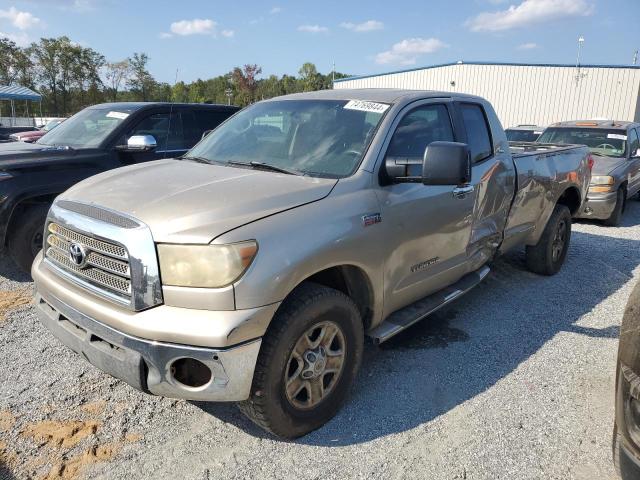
x: 615, y: 149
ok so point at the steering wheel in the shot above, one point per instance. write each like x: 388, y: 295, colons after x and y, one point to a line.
x: 606, y: 146
x: 243, y: 128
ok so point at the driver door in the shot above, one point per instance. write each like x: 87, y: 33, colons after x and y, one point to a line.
x: 428, y: 226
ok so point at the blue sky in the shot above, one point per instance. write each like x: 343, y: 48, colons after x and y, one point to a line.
x: 208, y: 38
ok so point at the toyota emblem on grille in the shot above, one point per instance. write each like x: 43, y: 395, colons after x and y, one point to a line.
x: 77, y: 255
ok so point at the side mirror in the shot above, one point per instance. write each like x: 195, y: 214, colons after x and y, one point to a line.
x: 636, y: 154
x: 139, y: 143
x: 446, y: 163
x: 205, y: 133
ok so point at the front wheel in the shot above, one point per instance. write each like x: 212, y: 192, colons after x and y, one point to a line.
x: 307, y: 363
x: 616, y: 216
x: 25, y: 241
x: 547, y: 256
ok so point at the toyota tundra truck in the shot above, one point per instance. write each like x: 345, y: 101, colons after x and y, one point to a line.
x: 252, y: 268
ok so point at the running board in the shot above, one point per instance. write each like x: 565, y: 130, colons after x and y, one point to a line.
x: 407, y: 316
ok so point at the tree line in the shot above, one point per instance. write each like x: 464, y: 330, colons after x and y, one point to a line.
x: 71, y: 77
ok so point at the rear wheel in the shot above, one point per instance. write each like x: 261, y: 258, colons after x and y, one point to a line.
x: 25, y: 241
x: 616, y: 216
x: 547, y: 256
x: 307, y: 363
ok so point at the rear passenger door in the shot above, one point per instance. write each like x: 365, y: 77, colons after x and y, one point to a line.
x: 492, y: 178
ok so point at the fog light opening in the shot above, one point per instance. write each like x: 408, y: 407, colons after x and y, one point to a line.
x: 190, y: 372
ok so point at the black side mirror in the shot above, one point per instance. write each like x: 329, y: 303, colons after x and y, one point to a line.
x: 446, y: 163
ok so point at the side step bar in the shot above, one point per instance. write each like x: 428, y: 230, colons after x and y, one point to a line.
x: 407, y: 316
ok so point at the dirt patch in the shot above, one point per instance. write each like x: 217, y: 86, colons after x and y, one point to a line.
x: 61, y: 434
x: 132, y: 437
x: 70, y: 468
x: 7, y: 420
x: 94, y: 408
x: 12, y: 299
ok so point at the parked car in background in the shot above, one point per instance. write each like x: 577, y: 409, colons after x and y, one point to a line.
x: 615, y: 147
x: 96, y: 139
x: 251, y: 268
x: 34, y: 135
x: 6, y: 132
x: 626, y: 430
x: 524, y: 133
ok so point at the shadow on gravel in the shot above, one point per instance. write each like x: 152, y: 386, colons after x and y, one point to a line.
x: 5, y: 473
x: 10, y: 271
x: 471, y: 344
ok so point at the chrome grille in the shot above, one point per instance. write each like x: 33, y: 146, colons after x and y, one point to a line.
x: 99, y: 213
x: 106, y: 264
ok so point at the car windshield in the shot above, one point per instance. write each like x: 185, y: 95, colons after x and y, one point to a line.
x: 522, y: 135
x: 51, y: 125
x: 601, y: 141
x: 86, y: 129
x: 315, y: 137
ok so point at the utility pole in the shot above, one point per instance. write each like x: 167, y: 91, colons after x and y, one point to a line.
x: 635, y: 58
x: 578, y: 74
x: 333, y: 75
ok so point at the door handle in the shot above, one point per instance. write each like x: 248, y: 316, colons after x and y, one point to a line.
x: 462, y: 191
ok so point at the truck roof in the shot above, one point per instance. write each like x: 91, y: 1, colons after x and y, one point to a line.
x: 142, y: 105
x: 609, y: 124
x: 385, y: 95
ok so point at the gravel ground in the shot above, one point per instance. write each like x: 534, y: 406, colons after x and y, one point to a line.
x: 514, y: 380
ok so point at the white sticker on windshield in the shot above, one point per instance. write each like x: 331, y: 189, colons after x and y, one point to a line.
x: 118, y: 115
x: 617, y: 136
x: 363, y: 106
x: 537, y: 133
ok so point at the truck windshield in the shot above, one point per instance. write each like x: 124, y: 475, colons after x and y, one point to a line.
x: 315, y: 137
x: 86, y: 129
x: 601, y: 141
x: 514, y: 135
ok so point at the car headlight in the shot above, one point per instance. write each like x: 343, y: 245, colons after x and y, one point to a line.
x: 208, y: 266
x: 601, y: 183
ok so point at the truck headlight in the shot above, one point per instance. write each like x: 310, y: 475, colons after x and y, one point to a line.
x: 209, y: 266
x: 601, y: 183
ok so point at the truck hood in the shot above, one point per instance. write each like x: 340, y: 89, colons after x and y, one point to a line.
x: 605, y: 165
x: 21, y: 154
x: 188, y: 202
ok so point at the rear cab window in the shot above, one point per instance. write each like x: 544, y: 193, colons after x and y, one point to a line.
x: 478, y: 132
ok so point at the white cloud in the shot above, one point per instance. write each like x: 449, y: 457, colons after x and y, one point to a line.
x: 275, y: 10
x: 367, y: 26
x: 21, y: 20
x: 197, y: 26
x: 227, y: 33
x: 408, y: 50
x: 20, y: 39
x: 165, y: 35
x: 312, y: 29
x: 528, y: 46
x: 529, y: 12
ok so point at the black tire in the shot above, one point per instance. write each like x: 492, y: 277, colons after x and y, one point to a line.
x: 547, y: 256
x: 308, y: 305
x: 616, y: 216
x: 25, y: 241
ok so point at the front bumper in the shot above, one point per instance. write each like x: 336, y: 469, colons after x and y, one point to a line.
x: 599, y: 207
x: 147, y: 365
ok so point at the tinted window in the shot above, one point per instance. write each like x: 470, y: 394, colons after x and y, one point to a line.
x: 521, y: 135
x: 168, y: 135
x: 478, y: 137
x: 420, y: 127
x: 634, y: 143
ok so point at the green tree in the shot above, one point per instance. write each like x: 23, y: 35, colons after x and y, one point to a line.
x: 311, y: 79
x: 140, y: 82
x: 117, y: 74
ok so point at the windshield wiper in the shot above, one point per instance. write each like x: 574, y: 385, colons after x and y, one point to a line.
x: 266, y: 166
x: 196, y: 159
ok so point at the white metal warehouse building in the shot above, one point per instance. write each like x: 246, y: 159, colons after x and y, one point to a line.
x: 526, y: 93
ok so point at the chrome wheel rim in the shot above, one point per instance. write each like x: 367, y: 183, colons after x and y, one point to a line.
x: 315, y: 365
x: 559, y: 240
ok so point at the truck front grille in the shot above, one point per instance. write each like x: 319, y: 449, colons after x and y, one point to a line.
x: 105, y: 266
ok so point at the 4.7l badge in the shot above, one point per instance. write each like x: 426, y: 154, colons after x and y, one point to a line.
x: 371, y: 219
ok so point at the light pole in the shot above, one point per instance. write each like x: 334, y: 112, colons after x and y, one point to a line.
x: 580, y: 43
x: 229, y: 93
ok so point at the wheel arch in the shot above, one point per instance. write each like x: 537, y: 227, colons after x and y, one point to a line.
x: 21, y: 205
x: 572, y: 199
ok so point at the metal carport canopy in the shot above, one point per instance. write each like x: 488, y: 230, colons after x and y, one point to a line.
x: 19, y: 93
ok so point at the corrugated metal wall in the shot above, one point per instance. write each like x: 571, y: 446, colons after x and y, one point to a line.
x: 528, y: 94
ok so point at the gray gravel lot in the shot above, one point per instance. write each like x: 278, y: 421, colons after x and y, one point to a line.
x: 515, y: 380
